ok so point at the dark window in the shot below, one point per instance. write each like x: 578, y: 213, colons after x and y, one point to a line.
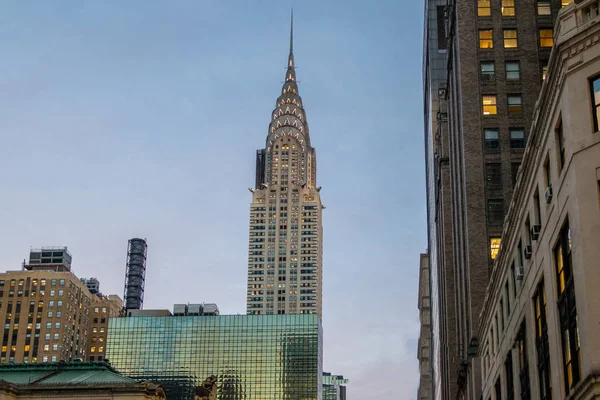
x: 595, y: 86
x: 537, y: 206
x: 515, y: 104
x: 488, y: 71
x: 441, y: 28
x: 523, y: 362
x: 547, y: 172
x: 493, y: 174
x: 496, y: 210
x: 514, y: 172
x: 543, y: 7
x: 567, y: 308
x: 508, y: 372
x: 517, y: 139
x: 492, y: 140
x: 541, y: 342
x: 512, y: 70
x: 560, y: 145
x: 498, y: 388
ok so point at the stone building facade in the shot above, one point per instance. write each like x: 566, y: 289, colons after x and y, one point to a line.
x: 539, y: 322
x: 497, y: 54
x: 424, y: 347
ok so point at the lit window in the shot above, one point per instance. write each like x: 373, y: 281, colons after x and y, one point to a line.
x: 486, y: 40
x: 489, y: 105
x: 494, y: 247
x: 544, y: 71
x: 100, y: 349
x: 543, y: 7
x: 93, y: 349
x: 546, y: 39
x: 508, y: 8
x: 595, y: 86
x: 104, y: 309
x: 517, y: 139
x: 515, y: 105
x: 94, y: 329
x: 54, y: 347
x: 483, y: 8
x: 45, y: 359
x: 513, y: 70
x: 565, y: 3
x: 46, y: 347
x: 510, y: 38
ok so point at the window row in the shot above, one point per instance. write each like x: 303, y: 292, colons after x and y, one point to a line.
x: 489, y: 104
x: 508, y: 7
x: 492, y: 139
x: 510, y: 38
x: 512, y: 71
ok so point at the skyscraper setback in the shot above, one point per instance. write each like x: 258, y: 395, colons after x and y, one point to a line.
x: 285, y: 252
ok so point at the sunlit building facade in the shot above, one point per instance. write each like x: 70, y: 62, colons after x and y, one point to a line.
x: 272, y: 357
x: 285, y: 246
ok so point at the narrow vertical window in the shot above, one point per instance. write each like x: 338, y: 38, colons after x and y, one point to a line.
x: 501, y: 315
x: 560, y: 145
x: 494, y: 247
x: 510, y: 39
x: 486, y: 40
x: 541, y: 342
x: 595, y: 86
x: 441, y: 28
x: 507, y: 297
x: 508, y: 8
x: 508, y: 372
x: 489, y: 105
x: 484, y: 8
x: 523, y: 362
x: 493, y: 175
x: 546, y: 37
x: 544, y: 71
x: 547, y: 173
x: 567, y: 308
x: 537, y: 205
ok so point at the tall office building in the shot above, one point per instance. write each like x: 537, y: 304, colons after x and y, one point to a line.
x: 285, y: 250
x: 497, y: 56
x: 252, y: 357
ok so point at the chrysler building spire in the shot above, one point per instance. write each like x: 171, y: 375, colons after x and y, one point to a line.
x: 285, y: 253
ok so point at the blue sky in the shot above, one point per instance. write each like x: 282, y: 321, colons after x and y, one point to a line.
x: 141, y: 119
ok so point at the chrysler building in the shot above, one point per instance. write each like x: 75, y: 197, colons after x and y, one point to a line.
x: 285, y: 247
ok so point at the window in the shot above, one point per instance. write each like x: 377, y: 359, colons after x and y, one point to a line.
x: 52, y: 293
x: 54, y: 347
x: 46, y: 347
x: 547, y: 176
x: 565, y: 3
x: 514, y: 172
x: 546, y: 39
x: 510, y: 38
x: 61, y: 282
x: 49, y: 314
x: 495, y: 210
x: 441, y: 28
x: 493, y: 174
x: 508, y: 8
x: 93, y: 349
x: 56, y: 336
x: 523, y: 362
x: 595, y: 85
x: 488, y: 71
x: 567, y: 308
x: 486, y: 40
x: 508, y: 372
x: 515, y: 105
x: 53, y: 358
x: 61, y: 292
x: 489, y: 105
x: 51, y: 303
x: 483, y: 8
x: 53, y: 282
x: 57, y: 325
x: 517, y: 139
x: 543, y: 7
x: 560, y: 145
x: 541, y: 342
x: 45, y: 359
x: 48, y: 325
x: 544, y: 71
x: 47, y: 336
x: 494, y: 247
x: 513, y: 72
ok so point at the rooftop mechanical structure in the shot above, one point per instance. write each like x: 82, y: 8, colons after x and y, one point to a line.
x: 135, y: 274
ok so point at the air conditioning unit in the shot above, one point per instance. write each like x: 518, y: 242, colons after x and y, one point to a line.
x: 528, y: 251
x: 548, y: 195
x: 535, y: 231
x: 519, y: 273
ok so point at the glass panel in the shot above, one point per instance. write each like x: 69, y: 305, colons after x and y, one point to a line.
x: 543, y: 8
x: 483, y: 8
x: 512, y: 70
x: 489, y: 105
x: 494, y: 247
x: 510, y: 38
x: 508, y: 8
x: 486, y: 39
x: 546, y: 39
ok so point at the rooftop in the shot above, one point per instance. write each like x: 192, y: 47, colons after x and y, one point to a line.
x: 62, y: 373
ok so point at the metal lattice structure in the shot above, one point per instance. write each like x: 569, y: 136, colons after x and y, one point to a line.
x: 135, y: 274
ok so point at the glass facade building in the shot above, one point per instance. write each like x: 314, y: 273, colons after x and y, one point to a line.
x: 267, y: 357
